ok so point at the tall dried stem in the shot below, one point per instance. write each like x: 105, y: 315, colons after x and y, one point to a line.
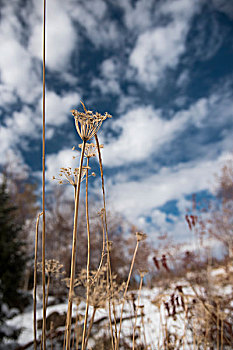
x: 217, y: 325
x: 90, y: 326
x: 143, y: 327
x: 35, y: 279
x: 103, y: 249
x: 125, y: 292
x: 185, y: 323
x: 206, y: 329
x: 136, y: 313
x: 107, y: 242
x: 47, y: 290
x: 43, y: 187
x: 74, y: 247
x: 221, y: 332
x: 88, y: 260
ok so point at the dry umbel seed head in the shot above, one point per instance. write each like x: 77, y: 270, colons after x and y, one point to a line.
x: 142, y: 272
x: 141, y: 236
x: 99, y: 292
x: 67, y: 175
x: 52, y: 266
x: 88, y: 123
x: 67, y: 282
x: 90, y: 150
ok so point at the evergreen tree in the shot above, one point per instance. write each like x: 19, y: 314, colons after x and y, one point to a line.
x: 12, y: 258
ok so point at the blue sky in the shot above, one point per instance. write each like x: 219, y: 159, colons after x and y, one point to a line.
x: 163, y: 69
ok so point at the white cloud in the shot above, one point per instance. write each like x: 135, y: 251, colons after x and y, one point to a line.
x: 183, y: 78
x: 109, y: 81
x: 138, y: 16
x: 178, y: 8
x: 143, y: 132
x: 15, y: 164
x: 8, y: 96
x: 18, y: 71
x: 138, y: 199
x: 58, y: 107
x: 62, y: 159
x: 93, y: 16
x: 160, y: 48
x: 61, y: 36
x: 9, y: 153
x: 197, y: 113
x: 203, y: 45
x: 8, y: 140
x: 23, y: 123
x: 18, y: 127
x: 157, y: 50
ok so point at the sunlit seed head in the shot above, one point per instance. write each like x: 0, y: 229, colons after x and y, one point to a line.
x: 141, y: 236
x: 142, y: 273
x: 101, y: 212
x: 88, y: 123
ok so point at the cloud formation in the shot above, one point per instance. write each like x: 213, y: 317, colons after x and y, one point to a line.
x: 58, y: 107
x: 138, y: 199
x: 143, y: 131
x: 18, y: 71
x: 61, y: 36
x: 160, y: 48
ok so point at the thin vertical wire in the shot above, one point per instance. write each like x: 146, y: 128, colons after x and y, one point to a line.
x: 43, y: 187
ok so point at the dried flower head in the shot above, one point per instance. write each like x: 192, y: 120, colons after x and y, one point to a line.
x: 52, y: 266
x: 141, y: 236
x: 101, y: 212
x: 142, y: 272
x: 67, y: 282
x: 100, y: 292
x: 67, y: 175
x: 88, y: 123
x: 89, y: 151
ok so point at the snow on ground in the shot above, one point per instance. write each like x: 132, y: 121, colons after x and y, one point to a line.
x: 155, y: 305
x: 25, y: 321
x: 153, y: 321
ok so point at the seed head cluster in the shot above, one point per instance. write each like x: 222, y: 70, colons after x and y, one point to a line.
x: 67, y: 175
x: 88, y: 123
x: 141, y: 236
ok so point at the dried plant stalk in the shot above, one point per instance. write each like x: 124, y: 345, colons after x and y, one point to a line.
x: 74, y: 247
x: 88, y: 261
x: 43, y: 188
x: 103, y: 248
x: 124, y: 296
x: 217, y: 326
x: 136, y: 313
x: 35, y: 279
x: 143, y: 327
x: 107, y: 242
x: 222, y: 333
x: 90, y: 326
